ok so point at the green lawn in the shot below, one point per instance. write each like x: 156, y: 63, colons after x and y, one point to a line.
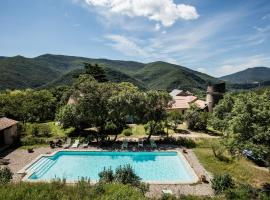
x: 242, y: 170
x: 139, y: 131
x: 56, y: 131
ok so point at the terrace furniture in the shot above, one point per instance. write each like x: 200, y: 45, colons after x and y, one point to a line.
x: 153, y: 144
x: 76, y: 144
x: 67, y: 144
x: 124, y: 144
x: 140, y: 143
x: 58, y: 143
x: 52, y: 144
x: 86, y: 143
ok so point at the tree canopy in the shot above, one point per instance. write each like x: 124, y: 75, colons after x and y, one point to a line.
x: 245, y: 120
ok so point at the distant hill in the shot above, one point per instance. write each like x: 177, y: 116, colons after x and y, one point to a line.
x: 248, y: 76
x: 49, y: 70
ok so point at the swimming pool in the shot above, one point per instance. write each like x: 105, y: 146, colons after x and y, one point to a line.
x: 153, y: 167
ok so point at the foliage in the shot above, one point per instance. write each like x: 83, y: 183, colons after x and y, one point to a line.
x: 155, y: 105
x: 5, y: 175
x: 30, y: 141
x: 180, y: 141
x: 123, y: 175
x: 106, y: 176
x: 219, y: 151
x: 80, y: 191
x: 196, y: 119
x: 96, y: 71
x: 50, y: 70
x: 245, y: 120
x: 175, y: 118
x: 220, y: 183
x: 127, y: 132
x: 246, y: 191
x: 241, y: 169
x: 40, y: 130
x: 28, y: 105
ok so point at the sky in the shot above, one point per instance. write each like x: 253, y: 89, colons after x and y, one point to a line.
x: 217, y: 37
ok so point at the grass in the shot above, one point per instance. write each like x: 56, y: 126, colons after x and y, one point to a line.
x: 56, y: 131
x: 138, y: 130
x: 241, y: 169
x: 60, y: 191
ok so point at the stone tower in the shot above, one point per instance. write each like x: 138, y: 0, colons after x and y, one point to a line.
x: 214, y: 94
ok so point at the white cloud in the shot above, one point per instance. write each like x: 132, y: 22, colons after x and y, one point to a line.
x: 126, y: 45
x: 242, y: 63
x: 267, y: 16
x: 164, y: 11
x: 157, y: 27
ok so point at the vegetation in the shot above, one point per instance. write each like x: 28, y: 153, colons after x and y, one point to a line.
x: 244, y: 118
x: 250, y: 75
x: 175, y: 118
x: 196, y: 119
x: 223, y: 182
x: 5, y: 175
x: 240, y: 169
x: 28, y: 105
x: 47, y: 70
x: 60, y: 191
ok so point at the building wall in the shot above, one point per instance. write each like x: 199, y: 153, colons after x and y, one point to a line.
x: 10, y: 135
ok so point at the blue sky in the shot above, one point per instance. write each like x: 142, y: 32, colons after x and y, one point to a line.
x: 213, y: 36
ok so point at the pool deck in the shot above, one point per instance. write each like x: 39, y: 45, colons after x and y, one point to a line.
x: 19, y: 158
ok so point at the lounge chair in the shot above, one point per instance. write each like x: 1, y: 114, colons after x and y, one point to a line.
x: 76, y: 144
x: 86, y: 143
x: 124, y: 144
x: 67, y: 144
x: 153, y: 144
x: 140, y: 143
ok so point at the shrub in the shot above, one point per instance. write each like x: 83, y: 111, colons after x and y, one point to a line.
x: 221, y: 183
x: 219, y: 151
x: 196, y: 119
x: 5, y: 175
x: 243, y: 191
x: 127, y: 132
x: 29, y: 141
x: 181, y: 141
x: 126, y: 175
x: 106, y: 176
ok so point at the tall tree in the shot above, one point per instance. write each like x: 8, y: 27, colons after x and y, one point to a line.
x: 96, y: 71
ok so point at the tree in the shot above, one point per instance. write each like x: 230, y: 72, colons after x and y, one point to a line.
x: 175, y: 118
x: 105, y: 106
x: 155, y: 106
x: 245, y: 120
x: 196, y: 119
x: 96, y: 71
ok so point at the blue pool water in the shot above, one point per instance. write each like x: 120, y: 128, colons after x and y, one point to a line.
x: 150, y: 166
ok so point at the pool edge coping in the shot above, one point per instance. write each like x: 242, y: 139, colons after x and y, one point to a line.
x: 26, y: 174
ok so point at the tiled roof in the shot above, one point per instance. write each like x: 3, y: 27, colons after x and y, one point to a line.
x: 6, y: 122
x: 175, y: 92
x: 201, y: 104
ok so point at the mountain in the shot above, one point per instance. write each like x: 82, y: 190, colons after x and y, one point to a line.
x: 248, y: 76
x: 50, y: 70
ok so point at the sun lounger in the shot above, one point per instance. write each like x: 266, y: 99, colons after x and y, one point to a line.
x: 76, y: 144
x: 140, y: 143
x: 153, y: 144
x: 67, y: 144
x: 124, y: 144
x: 86, y: 143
